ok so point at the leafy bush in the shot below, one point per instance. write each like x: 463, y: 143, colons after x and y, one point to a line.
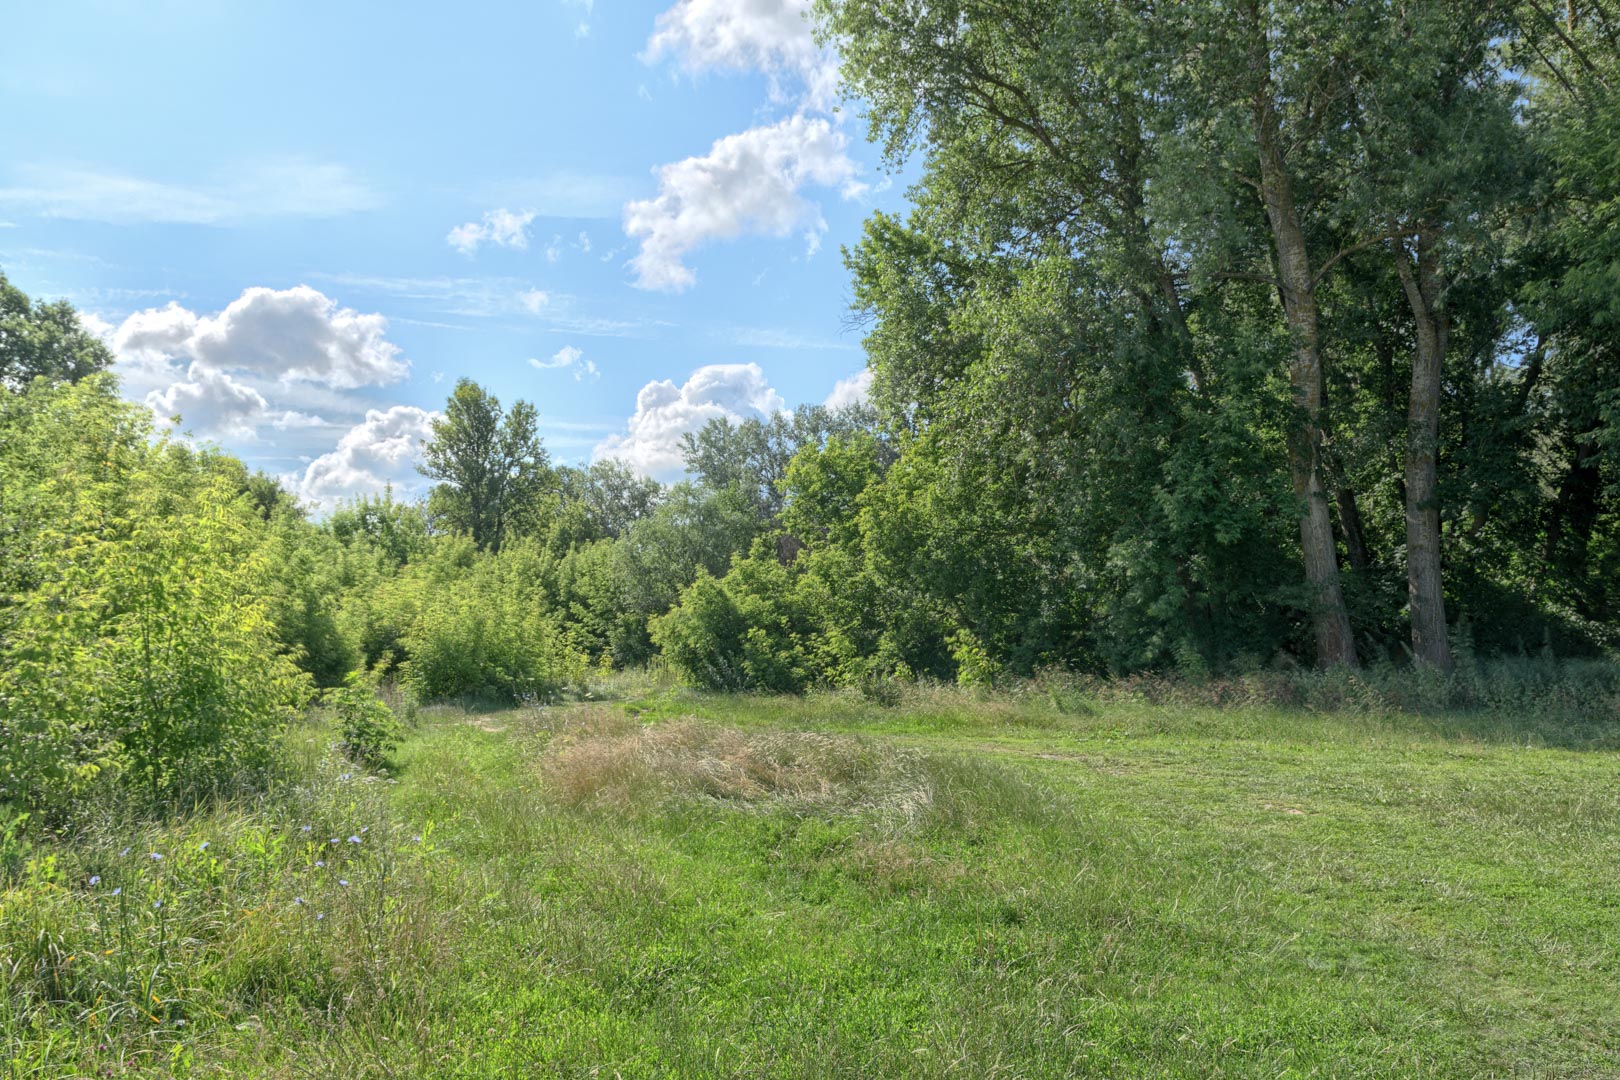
x: 745, y: 632
x: 489, y: 634
x: 136, y: 649
x: 368, y: 727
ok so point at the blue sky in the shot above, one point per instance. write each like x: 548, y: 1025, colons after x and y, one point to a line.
x: 299, y: 223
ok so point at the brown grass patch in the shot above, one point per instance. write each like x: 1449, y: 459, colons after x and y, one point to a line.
x: 615, y: 760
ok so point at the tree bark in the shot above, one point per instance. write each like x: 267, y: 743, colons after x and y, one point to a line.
x: 1424, y: 287
x: 1355, y: 534
x: 1335, y: 644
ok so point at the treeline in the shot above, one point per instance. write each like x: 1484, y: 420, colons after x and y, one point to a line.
x: 1228, y: 327
x: 1222, y: 336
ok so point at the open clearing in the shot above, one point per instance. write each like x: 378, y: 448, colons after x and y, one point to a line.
x: 730, y: 886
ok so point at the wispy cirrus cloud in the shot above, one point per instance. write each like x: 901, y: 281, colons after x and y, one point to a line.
x: 285, y: 188
x: 496, y: 297
x: 767, y: 337
x: 562, y: 193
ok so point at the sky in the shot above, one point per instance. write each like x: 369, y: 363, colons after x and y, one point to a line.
x: 298, y: 224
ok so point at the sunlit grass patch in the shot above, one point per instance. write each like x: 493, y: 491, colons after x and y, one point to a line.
x: 678, y: 886
x: 611, y: 758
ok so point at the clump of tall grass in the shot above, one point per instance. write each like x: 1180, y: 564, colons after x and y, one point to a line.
x: 609, y: 758
x: 1572, y: 691
x: 138, y: 935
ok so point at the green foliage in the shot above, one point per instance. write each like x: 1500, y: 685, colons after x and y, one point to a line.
x: 490, y: 462
x: 745, y: 632
x: 44, y: 341
x: 752, y: 457
x: 367, y: 727
x: 394, y: 530
x: 137, y: 647
x: 488, y: 633
x: 693, y: 530
x: 309, y: 570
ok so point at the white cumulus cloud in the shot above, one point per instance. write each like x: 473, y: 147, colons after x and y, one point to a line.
x: 294, y: 335
x: 503, y: 228
x: 747, y: 183
x: 211, y: 403
x: 770, y: 36
x: 851, y: 391
x: 651, y: 441
x: 382, y: 449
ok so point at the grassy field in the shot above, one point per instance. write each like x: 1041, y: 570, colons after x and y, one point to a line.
x: 681, y: 886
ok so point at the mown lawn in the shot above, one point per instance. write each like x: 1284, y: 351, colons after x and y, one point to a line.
x: 709, y: 886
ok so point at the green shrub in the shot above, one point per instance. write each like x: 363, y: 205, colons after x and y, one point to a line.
x: 488, y: 633
x: 136, y: 648
x: 369, y: 730
x: 745, y: 632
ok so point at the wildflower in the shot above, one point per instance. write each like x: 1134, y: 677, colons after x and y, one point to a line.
x: 343, y: 881
x: 417, y: 838
x: 319, y: 863
x: 95, y: 879
x: 347, y: 776
x: 155, y: 857
x: 121, y: 854
x: 354, y: 839
x: 319, y: 915
x: 203, y: 846
x: 364, y: 829
x: 118, y: 890
x: 333, y: 840
x: 156, y: 904
x: 306, y: 828
x: 299, y: 900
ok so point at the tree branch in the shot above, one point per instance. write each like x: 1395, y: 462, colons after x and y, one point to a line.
x: 1392, y: 234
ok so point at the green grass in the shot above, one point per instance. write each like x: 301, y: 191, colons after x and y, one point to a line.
x: 680, y: 885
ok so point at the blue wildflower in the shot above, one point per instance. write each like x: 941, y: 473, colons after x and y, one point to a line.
x: 95, y: 879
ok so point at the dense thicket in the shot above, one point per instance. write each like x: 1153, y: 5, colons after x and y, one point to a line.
x: 1221, y: 336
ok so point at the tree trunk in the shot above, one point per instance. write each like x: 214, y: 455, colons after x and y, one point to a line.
x: 1430, y: 644
x: 1335, y: 645
x: 1355, y: 534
